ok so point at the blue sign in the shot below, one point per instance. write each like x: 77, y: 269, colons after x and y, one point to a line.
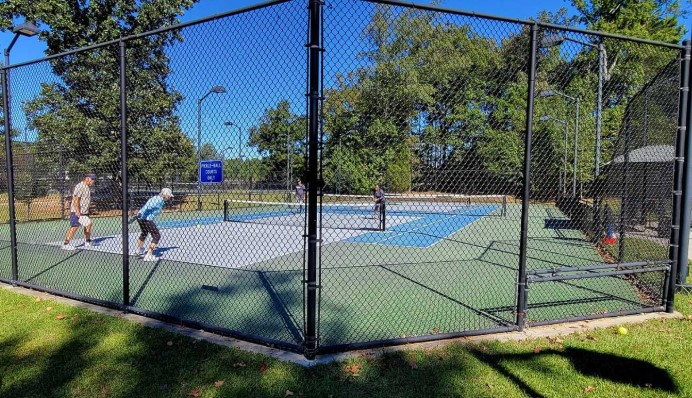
x: 210, y: 171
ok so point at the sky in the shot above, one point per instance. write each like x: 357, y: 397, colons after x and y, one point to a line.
x: 259, y: 58
x: 27, y: 49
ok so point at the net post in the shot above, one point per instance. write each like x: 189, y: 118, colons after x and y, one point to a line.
x: 314, y: 33
x: 504, y: 205
x: 522, y: 279
x: 225, y: 209
x: 123, y: 176
x: 682, y: 177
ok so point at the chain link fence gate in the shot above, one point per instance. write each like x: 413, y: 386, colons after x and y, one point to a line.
x: 531, y: 173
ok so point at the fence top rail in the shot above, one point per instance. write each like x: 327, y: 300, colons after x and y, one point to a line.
x: 151, y: 32
x: 427, y: 7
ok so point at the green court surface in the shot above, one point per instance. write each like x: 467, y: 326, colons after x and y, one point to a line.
x: 465, y: 281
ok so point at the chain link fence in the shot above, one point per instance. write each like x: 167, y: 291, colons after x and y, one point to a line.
x: 362, y: 173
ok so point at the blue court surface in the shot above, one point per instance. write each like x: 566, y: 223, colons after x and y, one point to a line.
x: 426, y: 230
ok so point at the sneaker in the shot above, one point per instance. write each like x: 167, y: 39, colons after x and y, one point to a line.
x: 150, y: 257
x: 68, y: 247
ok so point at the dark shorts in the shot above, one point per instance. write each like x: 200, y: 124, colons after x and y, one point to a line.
x: 149, y: 227
x: 74, y: 220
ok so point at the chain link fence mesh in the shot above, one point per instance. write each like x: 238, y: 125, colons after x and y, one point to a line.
x: 249, y: 117
x: 587, y: 176
x: 416, y: 101
x: 423, y: 123
x: 65, y: 117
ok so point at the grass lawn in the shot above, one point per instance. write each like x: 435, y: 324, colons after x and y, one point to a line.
x: 49, y: 349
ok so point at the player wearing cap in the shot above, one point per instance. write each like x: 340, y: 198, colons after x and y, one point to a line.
x: 79, y: 212
x: 145, y: 219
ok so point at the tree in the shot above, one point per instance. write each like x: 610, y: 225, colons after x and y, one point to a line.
x: 208, y: 152
x: 646, y: 19
x: 80, y: 109
x: 32, y: 176
x: 280, y: 141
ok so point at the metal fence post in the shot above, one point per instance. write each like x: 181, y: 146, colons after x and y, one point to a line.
x: 521, y: 283
x: 624, y: 199
x: 682, y: 192
x: 123, y: 177
x: 315, y: 9
x: 9, y: 166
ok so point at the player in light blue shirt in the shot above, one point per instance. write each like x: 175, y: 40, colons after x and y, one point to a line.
x: 145, y: 218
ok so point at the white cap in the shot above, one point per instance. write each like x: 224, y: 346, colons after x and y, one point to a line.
x: 166, y: 192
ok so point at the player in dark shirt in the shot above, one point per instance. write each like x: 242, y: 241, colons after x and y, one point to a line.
x: 300, y: 195
x: 378, y: 197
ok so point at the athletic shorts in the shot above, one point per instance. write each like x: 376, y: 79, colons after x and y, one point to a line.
x: 149, y: 227
x: 77, y: 222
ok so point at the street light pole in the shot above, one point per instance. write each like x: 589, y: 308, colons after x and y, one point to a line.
x: 213, y: 90
x: 240, y: 148
x: 556, y: 40
x: 25, y: 29
x: 576, y: 152
x: 550, y: 93
x: 563, y: 172
x: 599, y: 109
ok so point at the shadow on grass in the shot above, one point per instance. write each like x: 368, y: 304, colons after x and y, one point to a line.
x: 91, y: 355
x: 609, y: 367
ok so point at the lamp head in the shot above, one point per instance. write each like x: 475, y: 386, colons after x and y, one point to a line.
x: 547, y: 93
x: 552, y: 40
x: 26, y: 29
x: 218, y: 89
x: 544, y: 118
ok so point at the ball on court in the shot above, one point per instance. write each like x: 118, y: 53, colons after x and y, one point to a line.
x: 622, y: 330
x: 199, y: 226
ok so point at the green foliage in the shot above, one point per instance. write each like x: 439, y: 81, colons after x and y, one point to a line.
x: 279, y: 139
x: 647, y: 19
x: 208, y: 152
x: 447, y: 98
x: 251, y: 170
x: 399, y: 171
x: 81, y: 111
x: 31, y: 176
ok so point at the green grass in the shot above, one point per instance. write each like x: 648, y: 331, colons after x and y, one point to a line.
x: 92, y: 355
x: 638, y: 249
x: 48, y: 207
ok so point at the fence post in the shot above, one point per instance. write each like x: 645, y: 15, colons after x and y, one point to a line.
x: 315, y: 9
x: 686, y: 204
x: 123, y: 177
x: 678, y: 247
x: 9, y: 165
x: 521, y: 284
